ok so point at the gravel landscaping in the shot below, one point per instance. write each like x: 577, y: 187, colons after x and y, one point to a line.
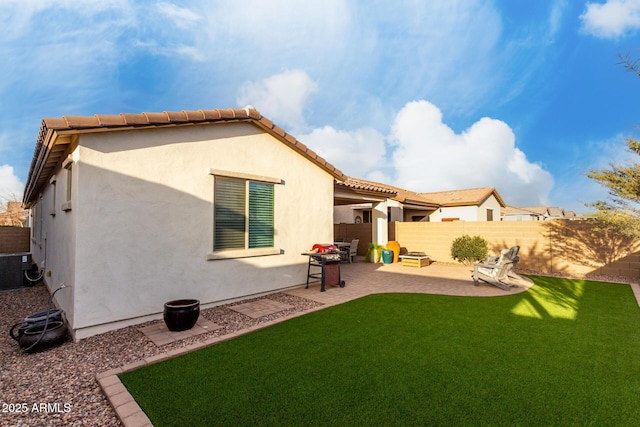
x: 58, y: 387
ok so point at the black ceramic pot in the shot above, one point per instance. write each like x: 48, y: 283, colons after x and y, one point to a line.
x: 41, y: 336
x: 181, y: 314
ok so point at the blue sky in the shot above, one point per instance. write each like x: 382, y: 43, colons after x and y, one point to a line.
x: 430, y: 96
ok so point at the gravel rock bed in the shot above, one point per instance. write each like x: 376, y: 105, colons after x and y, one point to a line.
x: 57, y: 387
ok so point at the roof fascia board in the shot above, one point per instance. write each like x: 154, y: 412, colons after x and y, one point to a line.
x: 419, y: 206
x: 359, y: 197
x: 43, y: 154
x: 408, y: 202
x: 87, y: 125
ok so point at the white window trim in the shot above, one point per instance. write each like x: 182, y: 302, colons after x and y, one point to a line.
x: 52, y: 181
x: 243, y: 253
x: 246, y: 176
x: 68, y: 165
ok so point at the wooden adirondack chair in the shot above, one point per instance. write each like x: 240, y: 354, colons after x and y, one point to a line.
x: 496, y: 270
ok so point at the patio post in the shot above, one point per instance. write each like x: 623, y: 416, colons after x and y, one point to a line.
x: 379, y: 228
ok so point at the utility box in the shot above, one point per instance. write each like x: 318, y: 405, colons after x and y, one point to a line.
x: 12, y: 268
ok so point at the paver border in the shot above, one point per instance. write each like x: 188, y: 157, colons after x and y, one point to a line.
x: 127, y: 409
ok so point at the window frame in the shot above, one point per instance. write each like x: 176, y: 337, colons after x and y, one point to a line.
x: 246, y: 251
x: 53, y: 183
x: 490, y: 215
x: 68, y: 165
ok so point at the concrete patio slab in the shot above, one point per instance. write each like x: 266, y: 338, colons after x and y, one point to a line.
x: 366, y: 278
x: 263, y: 307
x: 160, y: 335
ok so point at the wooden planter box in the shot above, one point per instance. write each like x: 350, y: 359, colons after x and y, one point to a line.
x: 415, y: 260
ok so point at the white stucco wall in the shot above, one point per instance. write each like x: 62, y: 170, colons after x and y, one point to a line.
x: 464, y: 213
x: 53, y: 247
x: 490, y: 203
x: 519, y: 217
x: 144, y: 220
x: 345, y: 214
x: 469, y: 213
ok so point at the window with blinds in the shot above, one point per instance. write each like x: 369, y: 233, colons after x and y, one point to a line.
x: 260, y: 215
x: 243, y: 214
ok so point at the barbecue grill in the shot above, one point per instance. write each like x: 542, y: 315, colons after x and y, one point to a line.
x: 324, y: 264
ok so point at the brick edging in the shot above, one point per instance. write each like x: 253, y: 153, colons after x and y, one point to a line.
x: 127, y: 409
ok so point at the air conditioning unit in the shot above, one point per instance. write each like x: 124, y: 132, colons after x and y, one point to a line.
x: 12, y: 268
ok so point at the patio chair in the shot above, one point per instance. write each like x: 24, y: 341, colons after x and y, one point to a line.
x: 353, y: 250
x: 497, y: 271
x: 512, y: 254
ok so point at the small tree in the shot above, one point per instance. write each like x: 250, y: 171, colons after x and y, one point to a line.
x: 468, y: 249
x: 622, y: 212
x: 11, y: 212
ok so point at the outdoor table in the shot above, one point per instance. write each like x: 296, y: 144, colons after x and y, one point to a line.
x: 344, y: 248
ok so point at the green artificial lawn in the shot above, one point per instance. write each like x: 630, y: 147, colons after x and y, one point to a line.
x: 567, y: 352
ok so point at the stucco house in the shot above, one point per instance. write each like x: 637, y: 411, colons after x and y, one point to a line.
x: 401, y: 205
x: 132, y: 210
x: 540, y: 213
x: 472, y: 204
x: 476, y: 204
x: 513, y: 213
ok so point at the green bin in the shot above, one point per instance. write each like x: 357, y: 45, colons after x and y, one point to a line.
x: 387, y: 256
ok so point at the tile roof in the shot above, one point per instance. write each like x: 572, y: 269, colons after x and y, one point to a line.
x: 359, y: 184
x: 56, y: 134
x: 474, y: 196
x: 513, y: 210
x: 540, y: 210
x: 399, y: 194
x: 556, y: 211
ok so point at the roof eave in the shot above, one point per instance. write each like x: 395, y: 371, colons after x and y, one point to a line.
x: 54, y: 128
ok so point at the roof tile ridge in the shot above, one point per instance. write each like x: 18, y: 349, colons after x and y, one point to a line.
x: 155, y: 117
x: 110, y: 120
x: 176, y: 116
x: 134, y: 119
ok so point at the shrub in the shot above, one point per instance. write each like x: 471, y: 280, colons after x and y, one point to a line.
x: 374, y: 252
x: 468, y: 249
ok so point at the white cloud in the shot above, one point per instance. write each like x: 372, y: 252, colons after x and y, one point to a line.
x: 10, y: 185
x: 358, y: 153
x: 430, y: 156
x: 281, y: 97
x: 181, y: 16
x: 611, y: 20
x: 555, y: 18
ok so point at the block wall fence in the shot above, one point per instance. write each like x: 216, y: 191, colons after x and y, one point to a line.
x: 14, y: 240
x: 576, y: 248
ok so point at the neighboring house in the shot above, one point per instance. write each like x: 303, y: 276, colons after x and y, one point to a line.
x: 473, y: 204
x: 538, y: 213
x: 541, y: 211
x: 134, y: 210
x: 478, y: 204
x: 556, y: 212
x: 512, y: 213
